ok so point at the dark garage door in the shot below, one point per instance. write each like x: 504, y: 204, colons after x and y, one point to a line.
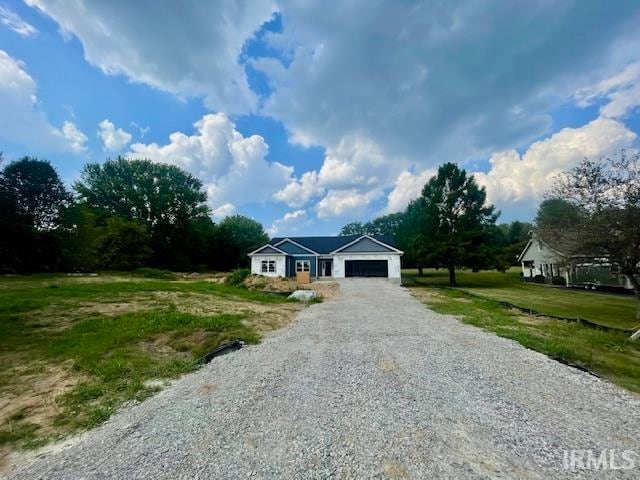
x: 366, y: 268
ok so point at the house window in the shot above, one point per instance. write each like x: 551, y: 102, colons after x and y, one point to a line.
x: 303, y: 265
x: 268, y: 266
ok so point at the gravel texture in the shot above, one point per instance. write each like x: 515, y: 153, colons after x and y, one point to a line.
x: 369, y: 384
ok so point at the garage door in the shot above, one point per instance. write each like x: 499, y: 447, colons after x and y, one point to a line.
x: 366, y: 268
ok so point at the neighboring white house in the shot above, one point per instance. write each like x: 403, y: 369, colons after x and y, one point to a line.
x: 540, y: 258
x: 328, y: 257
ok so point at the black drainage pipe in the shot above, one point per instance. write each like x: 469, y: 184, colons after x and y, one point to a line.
x: 221, y: 350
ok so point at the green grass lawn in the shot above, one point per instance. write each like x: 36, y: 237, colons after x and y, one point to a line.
x: 606, y: 309
x: 73, y: 349
x: 610, y: 354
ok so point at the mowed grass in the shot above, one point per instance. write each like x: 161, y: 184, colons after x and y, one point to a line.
x: 607, y: 309
x: 74, y: 349
x: 609, y: 354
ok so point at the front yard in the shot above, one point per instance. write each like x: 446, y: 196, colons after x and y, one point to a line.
x: 610, y: 354
x: 613, y: 310
x: 73, y: 349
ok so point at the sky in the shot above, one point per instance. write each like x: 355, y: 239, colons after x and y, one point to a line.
x: 306, y: 117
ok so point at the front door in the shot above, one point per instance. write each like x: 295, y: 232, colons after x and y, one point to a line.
x: 325, y: 268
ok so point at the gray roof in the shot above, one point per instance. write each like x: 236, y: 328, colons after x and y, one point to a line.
x: 326, y: 245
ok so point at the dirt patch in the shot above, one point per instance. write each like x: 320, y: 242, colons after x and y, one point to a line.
x: 325, y: 290
x: 34, y: 397
x: 425, y: 295
x: 32, y: 403
x: 269, y: 284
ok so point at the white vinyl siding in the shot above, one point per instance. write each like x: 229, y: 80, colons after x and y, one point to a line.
x: 268, y: 265
x: 393, y: 261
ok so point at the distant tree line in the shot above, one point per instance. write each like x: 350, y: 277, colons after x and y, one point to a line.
x: 450, y: 226
x: 120, y: 215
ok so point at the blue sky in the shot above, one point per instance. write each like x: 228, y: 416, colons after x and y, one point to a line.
x: 306, y: 118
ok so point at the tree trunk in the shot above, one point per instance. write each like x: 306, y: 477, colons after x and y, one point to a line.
x: 452, y: 275
x: 420, y: 272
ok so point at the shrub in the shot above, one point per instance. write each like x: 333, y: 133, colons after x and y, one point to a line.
x: 557, y: 280
x: 237, y: 276
x: 539, y: 279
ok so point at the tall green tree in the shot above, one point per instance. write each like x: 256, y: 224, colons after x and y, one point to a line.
x: 558, y: 222
x: 385, y: 225
x: 353, y: 228
x: 36, y: 189
x: 239, y: 235
x: 454, y: 221
x: 164, y: 198
x: 123, y: 245
x: 151, y: 193
x: 409, y: 236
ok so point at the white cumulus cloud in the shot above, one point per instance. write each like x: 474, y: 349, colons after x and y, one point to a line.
x: 232, y: 167
x: 350, y: 203
x: 290, y: 224
x: 113, y: 139
x: 515, y: 180
x: 22, y: 120
x: 223, y: 211
x: 77, y: 140
x: 407, y: 187
x: 620, y: 92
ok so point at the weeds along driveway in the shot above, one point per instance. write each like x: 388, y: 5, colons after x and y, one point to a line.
x: 370, y: 384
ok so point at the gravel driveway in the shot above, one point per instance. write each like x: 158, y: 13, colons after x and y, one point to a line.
x: 370, y: 384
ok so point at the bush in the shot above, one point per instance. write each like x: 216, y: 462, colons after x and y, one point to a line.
x: 237, y: 276
x: 539, y: 279
x: 559, y: 281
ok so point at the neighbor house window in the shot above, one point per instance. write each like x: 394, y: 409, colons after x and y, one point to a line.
x: 268, y: 266
x: 303, y: 265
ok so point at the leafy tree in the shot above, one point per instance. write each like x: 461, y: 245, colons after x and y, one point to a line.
x: 558, y: 223
x: 153, y: 194
x: 408, y: 236
x: 604, y: 214
x: 454, y: 220
x: 237, y: 236
x: 83, y: 235
x: 353, y: 228
x: 124, y: 245
x: 385, y: 225
x: 508, y: 240
x: 164, y: 198
x: 37, y: 190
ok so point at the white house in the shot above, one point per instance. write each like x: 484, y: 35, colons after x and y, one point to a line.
x: 328, y: 257
x: 540, y: 258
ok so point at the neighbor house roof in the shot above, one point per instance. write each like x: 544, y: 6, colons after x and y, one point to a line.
x: 326, y: 245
